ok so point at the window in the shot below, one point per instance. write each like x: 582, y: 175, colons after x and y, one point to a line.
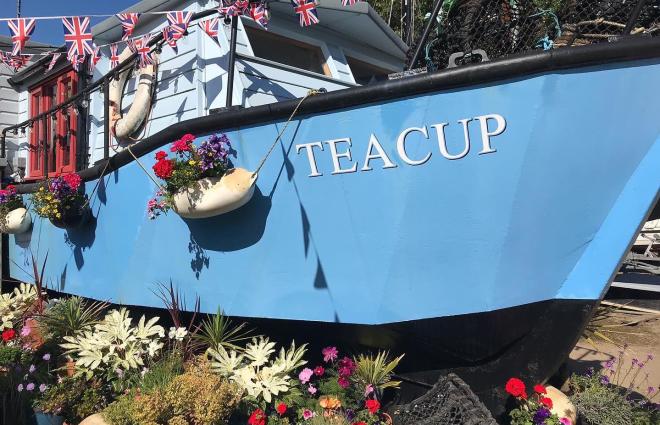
x: 365, y: 73
x: 58, y: 130
x: 285, y: 50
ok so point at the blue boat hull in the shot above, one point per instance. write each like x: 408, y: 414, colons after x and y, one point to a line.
x: 457, y: 225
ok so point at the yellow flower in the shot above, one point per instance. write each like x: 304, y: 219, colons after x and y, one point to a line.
x: 191, y: 162
x: 59, y: 215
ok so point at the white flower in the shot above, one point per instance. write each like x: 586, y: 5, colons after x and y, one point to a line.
x: 177, y: 333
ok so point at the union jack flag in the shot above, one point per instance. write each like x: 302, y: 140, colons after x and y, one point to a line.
x: 114, y: 55
x: 15, y: 62
x: 94, y: 59
x: 236, y: 8
x: 21, y: 29
x: 78, y: 36
x: 170, y: 39
x: 128, y: 23
x: 178, y: 23
x: 141, y: 46
x: 306, y: 10
x: 349, y: 2
x: 210, y: 27
x: 76, y: 61
x: 53, y: 61
x: 258, y: 14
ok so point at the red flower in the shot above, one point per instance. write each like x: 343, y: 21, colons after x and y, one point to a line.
x: 258, y: 417
x: 8, y: 335
x: 72, y: 180
x: 547, y: 402
x: 540, y: 389
x: 319, y: 371
x: 187, y: 138
x: 161, y: 155
x: 372, y: 405
x: 11, y: 188
x: 359, y: 423
x: 516, y: 388
x: 281, y: 409
x: 164, y: 168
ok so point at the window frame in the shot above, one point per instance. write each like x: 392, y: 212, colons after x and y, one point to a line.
x: 65, y: 126
x: 308, y: 44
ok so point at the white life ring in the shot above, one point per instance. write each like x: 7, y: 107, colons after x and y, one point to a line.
x: 123, y: 127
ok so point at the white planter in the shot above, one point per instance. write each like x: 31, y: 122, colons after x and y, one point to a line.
x: 214, y: 196
x: 17, y: 221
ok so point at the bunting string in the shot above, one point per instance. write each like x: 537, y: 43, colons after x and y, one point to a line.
x: 80, y: 45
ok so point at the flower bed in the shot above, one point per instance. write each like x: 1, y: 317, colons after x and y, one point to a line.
x: 72, y: 358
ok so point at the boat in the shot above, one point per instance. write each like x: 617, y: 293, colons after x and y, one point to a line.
x: 470, y: 217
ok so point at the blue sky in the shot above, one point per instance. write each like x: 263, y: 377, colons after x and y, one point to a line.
x: 50, y: 31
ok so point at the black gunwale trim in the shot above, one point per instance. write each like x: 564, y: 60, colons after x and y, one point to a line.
x: 511, y: 67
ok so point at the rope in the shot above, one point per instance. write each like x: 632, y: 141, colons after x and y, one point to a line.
x: 279, y: 136
x: 96, y: 186
x: 144, y: 169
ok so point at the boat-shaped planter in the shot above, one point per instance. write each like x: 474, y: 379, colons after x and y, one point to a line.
x: 213, y: 196
x: 17, y: 221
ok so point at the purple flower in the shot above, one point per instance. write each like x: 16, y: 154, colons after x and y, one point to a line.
x: 20, y: 388
x: 213, y: 153
x: 610, y: 363
x: 330, y: 354
x: 651, y: 390
x: 305, y: 375
x: 650, y: 357
x: 350, y: 414
x: 32, y: 368
x: 604, y: 380
x: 29, y: 387
x: 42, y: 388
x: 119, y: 372
x: 541, y: 415
x: 635, y: 362
x: 47, y: 357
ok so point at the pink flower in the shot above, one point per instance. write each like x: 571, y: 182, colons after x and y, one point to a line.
x: 305, y: 375
x: 312, y: 389
x: 307, y: 414
x: 25, y: 331
x: 188, y: 138
x: 565, y: 421
x: 343, y: 382
x: 180, y: 146
x: 368, y: 390
x: 319, y: 370
x: 72, y: 180
x: 330, y: 354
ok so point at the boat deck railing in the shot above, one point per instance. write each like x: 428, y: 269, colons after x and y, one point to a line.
x: 476, y: 30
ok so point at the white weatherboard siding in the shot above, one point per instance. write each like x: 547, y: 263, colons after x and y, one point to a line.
x: 193, y: 81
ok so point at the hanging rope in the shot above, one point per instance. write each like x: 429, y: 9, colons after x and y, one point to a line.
x: 279, y: 136
x: 153, y: 179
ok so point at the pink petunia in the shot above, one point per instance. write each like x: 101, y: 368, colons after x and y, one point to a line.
x: 312, y: 389
x: 566, y: 421
x: 307, y: 414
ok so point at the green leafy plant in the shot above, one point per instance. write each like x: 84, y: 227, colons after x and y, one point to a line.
x: 218, y: 330
x: 376, y: 370
x: 616, y: 395
x: 15, y: 304
x: 73, y: 399
x: 58, y: 197
x: 196, y: 397
x: 254, y: 369
x: 70, y: 316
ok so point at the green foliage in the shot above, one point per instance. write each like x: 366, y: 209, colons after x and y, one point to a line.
x: 327, y: 420
x: 197, y: 397
x: 70, y: 316
x: 10, y: 355
x: 551, y: 5
x: 218, y: 330
x: 376, y: 370
x: 73, y: 399
x: 599, y: 403
x: 162, y: 372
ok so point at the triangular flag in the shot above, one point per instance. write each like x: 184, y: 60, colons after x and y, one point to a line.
x: 53, y: 61
x: 94, y: 59
x: 306, y: 10
x: 210, y: 27
x: 258, y: 14
x: 21, y: 29
x: 128, y: 23
x: 114, y: 55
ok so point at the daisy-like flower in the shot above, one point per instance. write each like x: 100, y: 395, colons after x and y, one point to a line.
x: 330, y: 354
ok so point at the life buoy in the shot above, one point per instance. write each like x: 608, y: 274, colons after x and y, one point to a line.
x: 125, y: 126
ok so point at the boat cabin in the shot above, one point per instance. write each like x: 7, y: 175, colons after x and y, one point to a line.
x: 350, y: 46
